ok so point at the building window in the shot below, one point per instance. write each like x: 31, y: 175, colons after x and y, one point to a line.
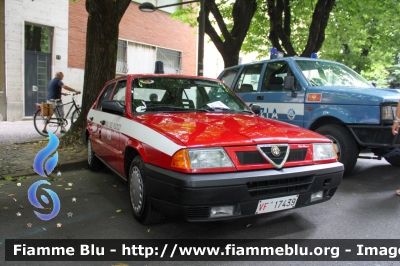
x: 38, y: 38
x: 141, y: 59
x: 172, y: 60
x: 122, y: 61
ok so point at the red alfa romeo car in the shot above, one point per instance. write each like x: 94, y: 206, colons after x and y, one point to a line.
x: 189, y: 147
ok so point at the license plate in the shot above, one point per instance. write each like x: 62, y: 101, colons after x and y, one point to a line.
x: 276, y: 204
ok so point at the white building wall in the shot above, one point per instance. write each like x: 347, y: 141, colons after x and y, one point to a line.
x: 213, y: 62
x: 52, y: 13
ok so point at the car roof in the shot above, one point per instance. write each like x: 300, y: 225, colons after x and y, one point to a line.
x: 132, y: 76
x: 289, y: 58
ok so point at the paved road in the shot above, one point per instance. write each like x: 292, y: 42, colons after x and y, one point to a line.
x: 19, y: 132
x: 364, y: 207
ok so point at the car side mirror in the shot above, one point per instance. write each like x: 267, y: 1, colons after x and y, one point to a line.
x: 256, y: 109
x: 113, y: 107
x: 288, y: 84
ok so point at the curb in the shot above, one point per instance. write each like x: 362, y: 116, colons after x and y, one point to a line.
x: 72, y: 165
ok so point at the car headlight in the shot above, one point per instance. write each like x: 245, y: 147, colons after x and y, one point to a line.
x: 324, y: 151
x: 201, y: 159
x: 387, y: 112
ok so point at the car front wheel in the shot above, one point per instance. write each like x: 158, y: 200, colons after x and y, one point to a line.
x: 93, y: 162
x: 138, y: 193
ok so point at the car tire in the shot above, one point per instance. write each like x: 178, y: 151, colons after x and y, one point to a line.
x: 94, y: 163
x: 393, y: 160
x: 138, y: 194
x: 344, y: 143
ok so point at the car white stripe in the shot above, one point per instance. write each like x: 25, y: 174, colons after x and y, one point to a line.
x: 136, y: 130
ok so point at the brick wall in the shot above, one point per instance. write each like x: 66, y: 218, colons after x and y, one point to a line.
x: 156, y: 29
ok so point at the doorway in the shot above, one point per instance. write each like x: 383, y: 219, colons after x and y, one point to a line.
x: 38, y: 49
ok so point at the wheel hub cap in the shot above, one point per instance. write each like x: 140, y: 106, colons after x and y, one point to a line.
x: 136, y: 189
x: 89, y: 152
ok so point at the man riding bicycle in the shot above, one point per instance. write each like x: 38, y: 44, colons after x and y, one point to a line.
x: 54, y: 95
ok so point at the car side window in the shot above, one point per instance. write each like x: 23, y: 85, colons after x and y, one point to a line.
x: 229, y: 76
x: 248, y: 80
x: 120, y: 92
x: 105, y: 96
x: 274, y: 76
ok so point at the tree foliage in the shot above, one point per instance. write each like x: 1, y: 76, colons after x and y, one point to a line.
x: 361, y: 34
x: 233, y: 22
x: 365, y: 36
x: 280, y: 13
x: 294, y: 27
x: 393, y: 78
x: 101, y: 56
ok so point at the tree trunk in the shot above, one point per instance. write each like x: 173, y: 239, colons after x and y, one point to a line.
x: 230, y: 45
x: 318, y: 25
x: 101, y: 57
x: 280, y: 30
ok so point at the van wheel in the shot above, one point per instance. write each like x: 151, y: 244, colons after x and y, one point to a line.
x: 93, y: 162
x: 138, y: 193
x: 345, y: 145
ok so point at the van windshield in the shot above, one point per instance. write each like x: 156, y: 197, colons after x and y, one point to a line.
x: 321, y: 73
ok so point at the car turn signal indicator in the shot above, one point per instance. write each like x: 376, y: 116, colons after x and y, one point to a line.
x: 181, y: 160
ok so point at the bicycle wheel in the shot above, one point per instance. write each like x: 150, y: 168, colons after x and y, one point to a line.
x: 75, y: 115
x: 39, y: 122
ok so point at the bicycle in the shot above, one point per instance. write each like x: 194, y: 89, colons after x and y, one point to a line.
x: 53, y: 123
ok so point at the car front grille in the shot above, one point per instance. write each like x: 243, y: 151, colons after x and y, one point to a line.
x: 198, y: 212
x: 279, y: 186
x: 254, y: 157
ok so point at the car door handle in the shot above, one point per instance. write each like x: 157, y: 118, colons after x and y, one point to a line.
x: 102, y: 122
x: 91, y: 118
x: 260, y: 97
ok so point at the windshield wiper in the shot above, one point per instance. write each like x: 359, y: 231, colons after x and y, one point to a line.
x: 223, y: 109
x: 247, y: 111
x: 168, y: 107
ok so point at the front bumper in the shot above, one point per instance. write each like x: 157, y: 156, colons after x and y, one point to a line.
x: 191, y: 196
x: 374, y: 136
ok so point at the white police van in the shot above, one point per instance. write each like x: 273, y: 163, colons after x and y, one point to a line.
x: 323, y: 96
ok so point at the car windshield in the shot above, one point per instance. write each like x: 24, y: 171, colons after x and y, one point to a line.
x: 321, y: 73
x: 151, y: 94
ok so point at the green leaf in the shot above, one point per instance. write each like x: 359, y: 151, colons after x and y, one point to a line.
x: 10, y: 178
